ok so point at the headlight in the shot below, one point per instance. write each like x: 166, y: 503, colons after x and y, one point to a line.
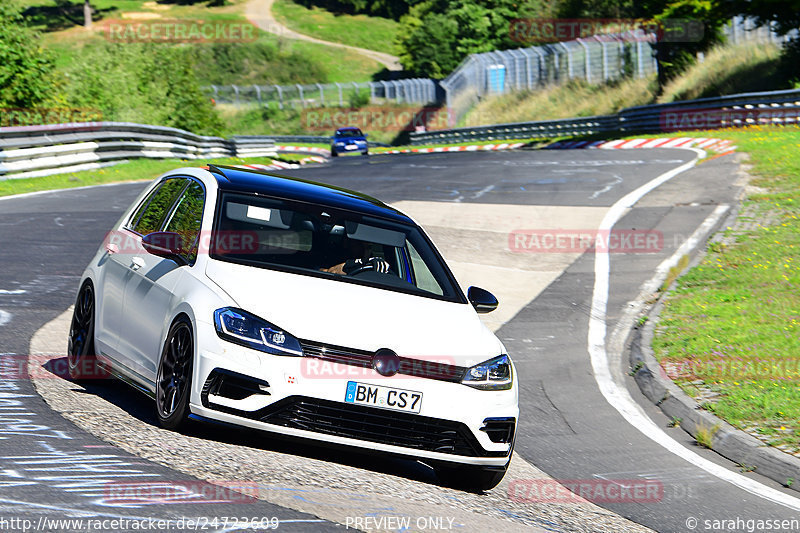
x: 494, y: 374
x: 339, y: 143
x: 240, y: 327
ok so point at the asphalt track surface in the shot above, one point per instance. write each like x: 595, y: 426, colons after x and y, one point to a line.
x: 567, y: 428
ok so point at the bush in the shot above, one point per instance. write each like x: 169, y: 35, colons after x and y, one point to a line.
x: 358, y: 98
x: 254, y: 63
x: 26, y: 70
x: 145, y: 83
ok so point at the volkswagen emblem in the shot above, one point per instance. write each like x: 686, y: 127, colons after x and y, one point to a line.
x: 385, y: 362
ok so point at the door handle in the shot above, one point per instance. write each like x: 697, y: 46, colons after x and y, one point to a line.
x: 137, y: 263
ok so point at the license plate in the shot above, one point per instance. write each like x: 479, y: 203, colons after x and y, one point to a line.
x: 350, y: 147
x: 383, y: 397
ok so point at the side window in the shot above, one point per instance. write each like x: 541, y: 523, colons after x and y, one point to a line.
x: 187, y: 217
x: 424, y: 277
x: 160, y: 202
x: 138, y: 214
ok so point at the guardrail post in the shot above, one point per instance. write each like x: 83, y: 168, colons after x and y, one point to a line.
x: 639, y: 62
x: 280, y: 96
x: 341, y: 99
x: 236, y: 92
x: 258, y: 93
x: 321, y: 94
x: 302, y: 98
x: 528, y: 67
x: 541, y: 68
x: 605, y: 57
x: 569, y: 60
x: 587, y: 65
x: 216, y: 93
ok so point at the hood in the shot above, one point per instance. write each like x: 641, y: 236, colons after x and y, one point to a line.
x: 355, y: 316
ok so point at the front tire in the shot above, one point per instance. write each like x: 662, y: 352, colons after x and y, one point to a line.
x: 174, y: 378
x: 80, y: 346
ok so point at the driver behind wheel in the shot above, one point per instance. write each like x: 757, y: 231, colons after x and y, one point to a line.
x: 365, y: 260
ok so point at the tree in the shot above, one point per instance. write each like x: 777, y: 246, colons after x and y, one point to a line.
x: 783, y: 15
x: 87, y: 14
x: 676, y: 50
x: 436, y: 35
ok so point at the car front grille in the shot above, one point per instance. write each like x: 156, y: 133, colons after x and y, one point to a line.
x: 408, y: 366
x: 374, y: 425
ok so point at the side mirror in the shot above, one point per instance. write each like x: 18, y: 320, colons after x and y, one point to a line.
x: 482, y: 300
x: 366, y: 135
x: 164, y: 244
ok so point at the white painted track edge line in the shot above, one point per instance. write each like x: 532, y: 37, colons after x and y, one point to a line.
x: 617, y: 396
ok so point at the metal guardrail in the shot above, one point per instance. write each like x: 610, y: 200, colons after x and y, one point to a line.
x: 520, y: 130
x: 773, y: 107
x: 31, y: 151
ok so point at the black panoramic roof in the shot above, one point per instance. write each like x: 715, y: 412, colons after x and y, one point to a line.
x: 277, y: 186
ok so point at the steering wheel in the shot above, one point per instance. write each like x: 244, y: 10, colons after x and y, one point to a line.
x: 369, y: 265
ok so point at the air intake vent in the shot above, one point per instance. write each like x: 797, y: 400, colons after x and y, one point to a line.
x: 500, y: 430
x: 232, y: 385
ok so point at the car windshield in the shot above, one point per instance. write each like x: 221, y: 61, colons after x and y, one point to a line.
x: 349, y: 133
x: 325, y: 242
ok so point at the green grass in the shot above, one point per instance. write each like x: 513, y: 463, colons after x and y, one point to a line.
x: 732, y: 325
x: 136, y: 170
x: 373, y: 33
x: 340, y: 67
x: 383, y: 123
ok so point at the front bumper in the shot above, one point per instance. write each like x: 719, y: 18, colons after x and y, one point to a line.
x: 304, y: 397
x: 350, y: 148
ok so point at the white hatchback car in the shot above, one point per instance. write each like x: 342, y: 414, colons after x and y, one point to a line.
x: 301, y: 309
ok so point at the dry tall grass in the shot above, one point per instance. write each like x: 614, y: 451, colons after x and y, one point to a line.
x: 574, y: 99
x: 724, y: 70
x: 728, y: 70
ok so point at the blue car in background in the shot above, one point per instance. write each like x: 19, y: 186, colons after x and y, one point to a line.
x: 349, y: 140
